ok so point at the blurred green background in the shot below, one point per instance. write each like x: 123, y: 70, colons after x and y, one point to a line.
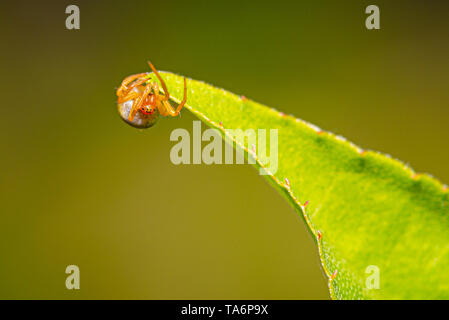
x: 79, y: 186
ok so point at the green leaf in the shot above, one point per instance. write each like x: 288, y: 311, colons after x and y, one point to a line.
x: 364, y: 208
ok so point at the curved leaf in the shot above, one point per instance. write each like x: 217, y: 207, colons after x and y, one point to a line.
x: 368, y: 212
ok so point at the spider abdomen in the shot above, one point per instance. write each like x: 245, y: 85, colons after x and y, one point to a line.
x: 142, y: 120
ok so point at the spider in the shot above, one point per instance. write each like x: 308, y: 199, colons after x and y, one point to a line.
x: 140, y: 102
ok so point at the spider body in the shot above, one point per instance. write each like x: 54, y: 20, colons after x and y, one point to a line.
x: 140, y: 102
x: 144, y: 118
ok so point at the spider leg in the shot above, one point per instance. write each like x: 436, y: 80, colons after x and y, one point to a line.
x: 164, y: 86
x: 169, y: 109
x: 156, y: 90
x: 137, y: 103
x: 129, y: 94
x: 123, y: 87
x: 184, y: 99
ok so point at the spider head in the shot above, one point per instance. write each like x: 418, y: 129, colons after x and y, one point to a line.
x: 147, y: 110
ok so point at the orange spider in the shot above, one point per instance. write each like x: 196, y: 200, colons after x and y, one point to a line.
x: 140, y: 103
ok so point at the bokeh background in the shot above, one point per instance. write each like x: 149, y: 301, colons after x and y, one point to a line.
x: 79, y: 186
